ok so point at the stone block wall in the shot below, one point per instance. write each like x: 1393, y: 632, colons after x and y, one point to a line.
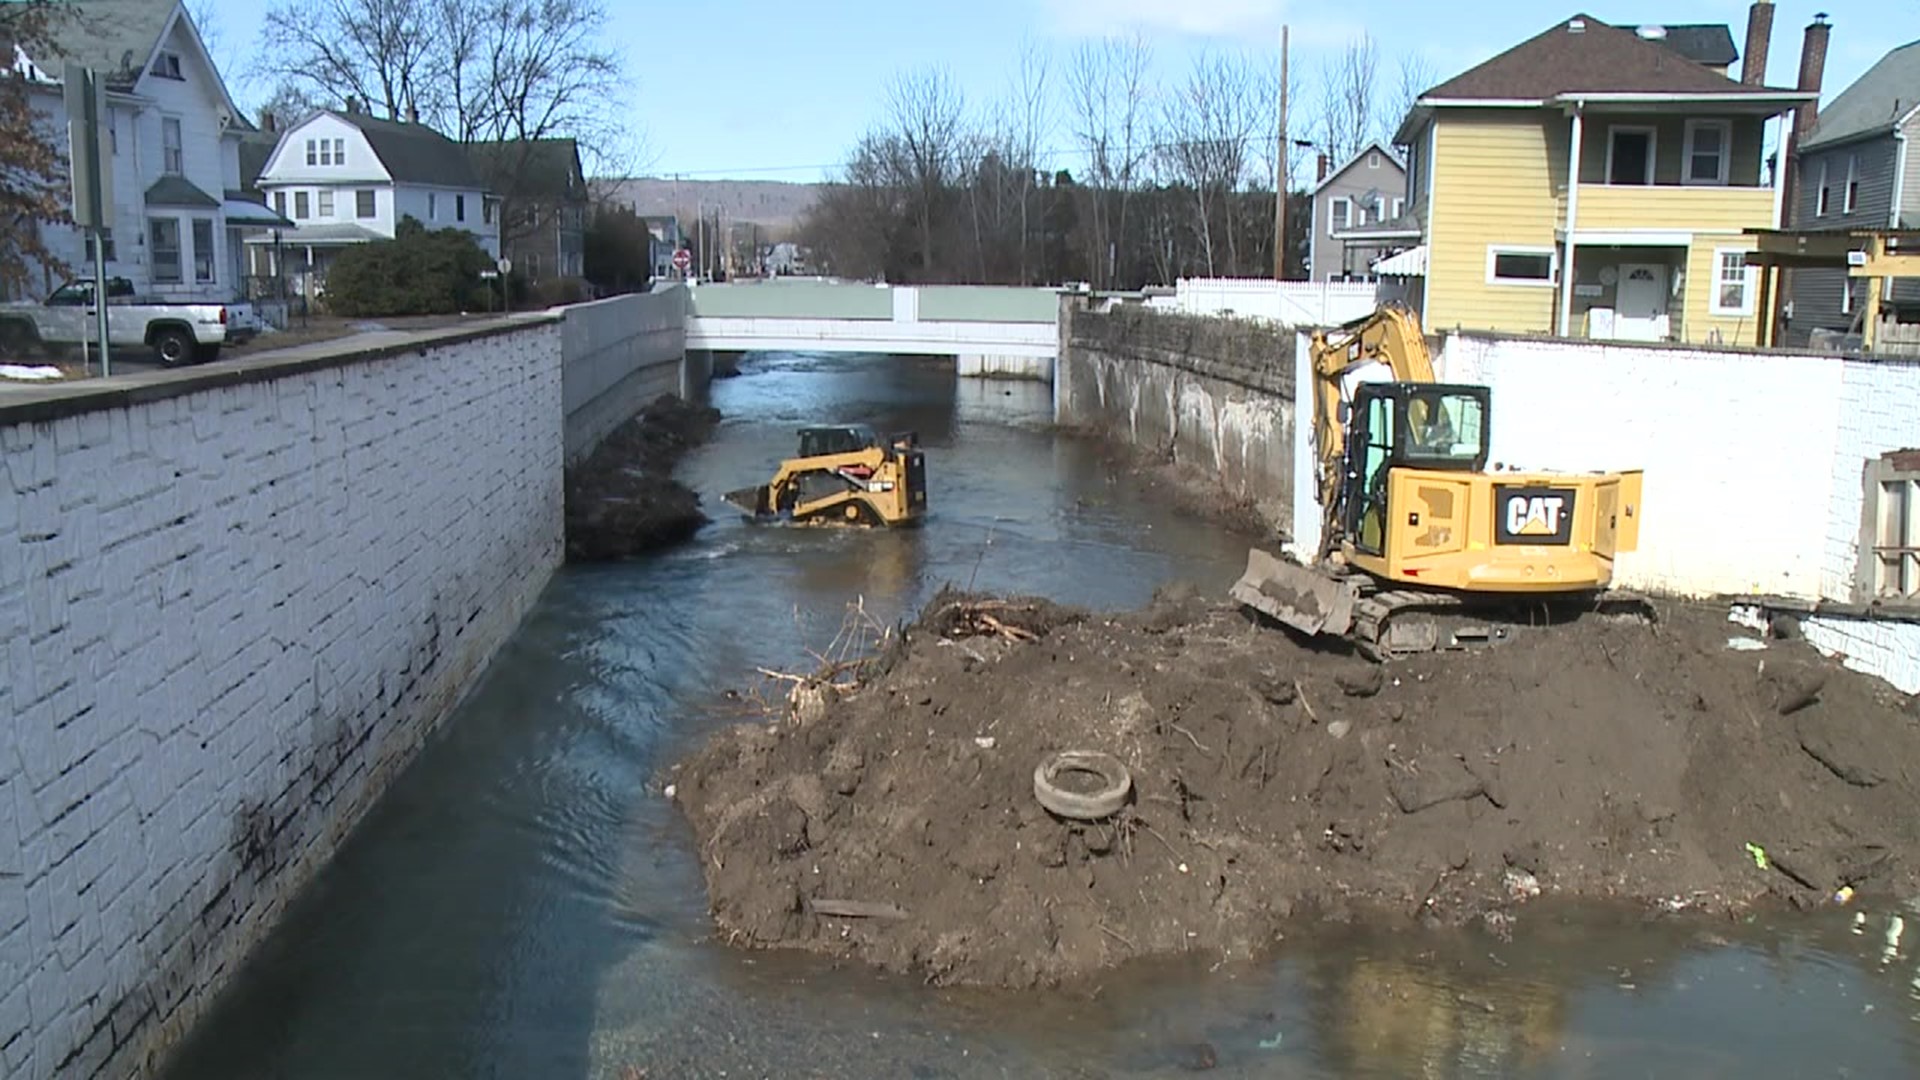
x: 621, y: 353
x: 234, y: 601
x: 1212, y: 393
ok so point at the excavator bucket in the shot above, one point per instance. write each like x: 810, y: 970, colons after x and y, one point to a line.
x: 754, y: 500
x: 1306, y: 599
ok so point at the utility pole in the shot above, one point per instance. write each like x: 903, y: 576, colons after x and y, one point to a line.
x: 1280, y: 173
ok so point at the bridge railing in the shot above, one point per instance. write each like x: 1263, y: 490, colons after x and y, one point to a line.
x: 879, y: 303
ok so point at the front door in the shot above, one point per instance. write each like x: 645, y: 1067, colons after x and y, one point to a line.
x: 1641, y: 303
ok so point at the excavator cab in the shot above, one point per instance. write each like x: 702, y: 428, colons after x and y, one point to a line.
x: 1435, y: 426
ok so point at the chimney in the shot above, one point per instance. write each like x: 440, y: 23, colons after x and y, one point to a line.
x: 353, y: 105
x: 1320, y: 169
x: 413, y: 113
x: 1753, y: 64
x: 268, y: 123
x: 1813, y: 66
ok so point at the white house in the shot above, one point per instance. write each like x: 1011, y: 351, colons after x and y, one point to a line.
x: 345, y: 178
x: 179, y: 216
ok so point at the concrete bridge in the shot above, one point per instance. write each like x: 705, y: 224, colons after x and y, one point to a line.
x: 992, y: 330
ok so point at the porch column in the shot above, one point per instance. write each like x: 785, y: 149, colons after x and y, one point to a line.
x: 1573, y: 216
x: 1876, y: 248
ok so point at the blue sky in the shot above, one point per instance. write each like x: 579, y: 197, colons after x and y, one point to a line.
x: 781, y: 89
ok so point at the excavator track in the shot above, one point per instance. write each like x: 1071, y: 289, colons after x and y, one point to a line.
x: 1407, y: 622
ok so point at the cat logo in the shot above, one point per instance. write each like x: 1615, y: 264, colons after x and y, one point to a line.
x: 1525, y: 515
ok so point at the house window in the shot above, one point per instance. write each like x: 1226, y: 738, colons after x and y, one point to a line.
x: 363, y: 204
x: 1342, y: 215
x: 533, y: 264
x: 1708, y: 151
x: 106, y: 247
x: 167, y: 66
x: 313, y: 152
x: 1891, y: 544
x: 326, y: 204
x: 171, y: 158
x: 280, y: 203
x: 459, y: 208
x: 203, y: 251
x: 1373, y: 160
x: 1399, y: 207
x: 301, y: 212
x: 164, y: 238
x: 1852, y: 198
x: 486, y: 211
x: 1732, y: 283
x: 433, y: 206
x: 1630, y: 155
x: 1846, y: 296
x: 339, y: 151
x: 1520, y: 265
x: 1823, y: 204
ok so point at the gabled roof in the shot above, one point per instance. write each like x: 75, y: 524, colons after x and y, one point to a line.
x: 1876, y: 102
x: 1376, y: 145
x: 411, y: 153
x: 1703, y: 43
x: 1582, y: 55
x: 534, y: 168
x: 114, y: 37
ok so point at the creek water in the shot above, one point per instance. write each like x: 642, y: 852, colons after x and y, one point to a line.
x: 524, y: 903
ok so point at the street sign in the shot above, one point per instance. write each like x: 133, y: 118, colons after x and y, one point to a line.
x: 682, y: 259
x: 506, y: 266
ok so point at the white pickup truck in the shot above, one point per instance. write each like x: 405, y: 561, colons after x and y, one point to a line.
x: 177, y: 332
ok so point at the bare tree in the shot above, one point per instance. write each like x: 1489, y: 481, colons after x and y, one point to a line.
x: 32, y: 161
x: 1417, y: 76
x: 1028, y: 133
x: 1348, y: 105
x: 376, y: 51
x: 1208, y: 127
x: 1107, y: 87
x: 926, y: 111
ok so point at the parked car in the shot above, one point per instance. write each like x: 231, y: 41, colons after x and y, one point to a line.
x: 178, y: 332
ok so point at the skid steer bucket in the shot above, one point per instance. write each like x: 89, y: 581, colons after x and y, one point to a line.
x: 754, y: 500
x: 1308, y: 600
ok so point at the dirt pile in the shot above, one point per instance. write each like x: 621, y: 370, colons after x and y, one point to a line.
x: 897, y: 822
x: 623, y: 500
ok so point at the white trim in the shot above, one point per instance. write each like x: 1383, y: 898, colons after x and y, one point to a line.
x: 1576, y: 142
x: 1749, y: 291
x: 1313, y: 241
x: 1335, y: 223
x: 1627, y: 237
x: 1849, y: 200
x: 1821, y: 205
x: 1480, y: 103
x: 1399, y: 206
x: 1553, y: 265
x: 1433, y: 216
x: 1692, y: 127
x: 1846, y: 295
x: 1653, y: 150
x: 1899, y: 176
x: 1361, y: 236
x: 1782, y: 124
x: 1619, y: 97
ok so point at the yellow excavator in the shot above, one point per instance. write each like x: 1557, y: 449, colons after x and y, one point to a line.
x: 844, y: 474
x: 1416, y: 536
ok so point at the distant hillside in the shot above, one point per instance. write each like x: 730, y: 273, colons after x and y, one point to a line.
x: 774, y: 205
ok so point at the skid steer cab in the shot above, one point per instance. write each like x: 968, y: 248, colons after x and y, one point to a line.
x: 844, y: 474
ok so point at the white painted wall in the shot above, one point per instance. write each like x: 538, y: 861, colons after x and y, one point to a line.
x: 619, y: 354
x: 227, y: 619
x: 288, y: 164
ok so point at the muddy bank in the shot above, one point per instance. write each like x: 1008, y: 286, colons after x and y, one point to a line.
x: 623, y: 500
x: 897, y: 823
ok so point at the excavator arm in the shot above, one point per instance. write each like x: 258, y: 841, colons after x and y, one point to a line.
x: 1390, y: 336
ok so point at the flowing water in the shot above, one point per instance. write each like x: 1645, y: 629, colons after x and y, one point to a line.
x: 524, y: 903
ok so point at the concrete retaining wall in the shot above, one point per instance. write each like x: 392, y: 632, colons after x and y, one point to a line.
x: 234, y: 601
x: 1217, y: 394
x: 621, y: 353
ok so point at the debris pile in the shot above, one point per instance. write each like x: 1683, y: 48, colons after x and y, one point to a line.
x: 623, y: 500
x: 1011, y: 793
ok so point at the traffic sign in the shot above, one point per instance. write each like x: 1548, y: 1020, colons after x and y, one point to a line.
x: 682, y: 259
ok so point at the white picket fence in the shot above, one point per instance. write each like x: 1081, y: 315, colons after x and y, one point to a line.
x: 1290, y: 303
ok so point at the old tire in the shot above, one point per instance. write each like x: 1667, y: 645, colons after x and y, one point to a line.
x: 1116, y: 784
x: 173, y: 347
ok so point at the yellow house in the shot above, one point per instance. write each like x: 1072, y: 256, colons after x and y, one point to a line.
x: 1593, y: 181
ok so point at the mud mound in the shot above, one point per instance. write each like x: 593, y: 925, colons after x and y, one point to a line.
x: 623, y: 500
x: 1607, y: 758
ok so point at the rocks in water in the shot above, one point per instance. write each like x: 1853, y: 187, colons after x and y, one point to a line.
x: 623, y: 500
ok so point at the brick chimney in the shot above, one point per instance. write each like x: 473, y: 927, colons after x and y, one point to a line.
x: 268, y: 122
x: 1813, y: 66
x: 1320, y: 169
x: 1753, y: 68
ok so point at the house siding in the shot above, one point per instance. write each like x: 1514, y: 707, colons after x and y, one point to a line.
x: 1494, y: 183
x: 1910, y: 183
x: 1388, y: 180
x: 1817, y: 294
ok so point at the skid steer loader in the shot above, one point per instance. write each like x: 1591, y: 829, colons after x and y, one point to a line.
x: 844, y: 474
